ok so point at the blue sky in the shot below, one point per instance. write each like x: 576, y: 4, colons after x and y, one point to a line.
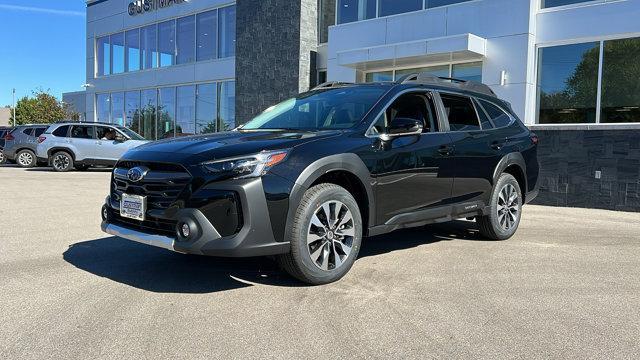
x: 42, y: 45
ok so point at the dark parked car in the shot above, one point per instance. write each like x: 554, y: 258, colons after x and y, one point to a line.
x: 309, y: 178
x: 21, y: 143
x: 3, y: 131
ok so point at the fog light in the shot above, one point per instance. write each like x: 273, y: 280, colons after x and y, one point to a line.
x: 185, y: 230
x: 105, y: 213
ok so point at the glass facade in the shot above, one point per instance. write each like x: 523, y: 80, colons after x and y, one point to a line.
x: 204, y: 36
x: 171, y: 111
x: 568, y: 83
x: 356, y: 10
x: 571, y: 77
x: 471, y: 71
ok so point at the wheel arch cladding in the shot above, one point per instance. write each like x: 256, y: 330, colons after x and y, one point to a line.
x: 515, y: 165
x: 346, y: 170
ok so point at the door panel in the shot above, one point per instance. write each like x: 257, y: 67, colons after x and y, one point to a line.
x: 411, y: 173
x: 107, y: 147
x: 82, y: 141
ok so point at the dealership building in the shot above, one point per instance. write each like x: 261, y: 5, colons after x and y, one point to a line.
x: 569, y: 68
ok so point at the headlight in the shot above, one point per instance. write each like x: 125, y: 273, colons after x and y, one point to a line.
x: 246, y: 166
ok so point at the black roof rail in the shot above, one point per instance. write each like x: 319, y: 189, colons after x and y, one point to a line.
x: 428, y: 79
x: 331, y: 84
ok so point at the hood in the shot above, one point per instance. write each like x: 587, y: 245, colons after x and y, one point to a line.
x: 195, y: 149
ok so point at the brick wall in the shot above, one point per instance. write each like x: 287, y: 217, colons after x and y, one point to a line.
x: 569, y: 160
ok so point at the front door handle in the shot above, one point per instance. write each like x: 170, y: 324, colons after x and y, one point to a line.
x: 496, y: 145
x: 445, y: 150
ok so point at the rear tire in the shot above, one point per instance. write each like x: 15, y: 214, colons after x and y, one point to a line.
x: 61, y: 161
x: 26, y: 159
x: 505, y: 210
x: 323, y: 246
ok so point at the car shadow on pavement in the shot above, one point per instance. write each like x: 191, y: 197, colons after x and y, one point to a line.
x: 162, y: 271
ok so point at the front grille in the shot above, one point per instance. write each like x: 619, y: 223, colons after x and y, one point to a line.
x: 162, y: 185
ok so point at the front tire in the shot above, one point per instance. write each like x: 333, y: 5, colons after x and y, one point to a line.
x: 326, y: 236
x: 26, y: 159
x: 505, y: 210
x: 62, y: 161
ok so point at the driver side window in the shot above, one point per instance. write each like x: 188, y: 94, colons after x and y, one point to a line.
x: 416, y: 106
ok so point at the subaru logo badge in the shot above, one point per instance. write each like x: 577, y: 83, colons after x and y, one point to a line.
x: 137, y: 173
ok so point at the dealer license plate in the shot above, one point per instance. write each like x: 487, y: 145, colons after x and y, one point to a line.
x: 133, y: 206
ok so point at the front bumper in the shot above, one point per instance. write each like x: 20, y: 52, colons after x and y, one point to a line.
x: 255, y: 238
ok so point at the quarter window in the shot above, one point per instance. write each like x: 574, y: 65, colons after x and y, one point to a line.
x: 499, y: 117
x: 460, y: 112
x: 62, y: 131
x: 28, y: 131
x: 39, y: 131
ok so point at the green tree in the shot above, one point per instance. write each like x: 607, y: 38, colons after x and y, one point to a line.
x: 41, y: 108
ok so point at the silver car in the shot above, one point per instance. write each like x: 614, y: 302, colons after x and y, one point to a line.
x: 82, y: 145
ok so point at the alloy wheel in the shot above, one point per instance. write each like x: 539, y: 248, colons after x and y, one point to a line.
x: 508, y: 207
x: 330, y: 235
x: 25, y: 159
x: 1, y: 157
x: 61, y: 162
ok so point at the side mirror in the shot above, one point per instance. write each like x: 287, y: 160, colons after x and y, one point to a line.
x: 403, y: 127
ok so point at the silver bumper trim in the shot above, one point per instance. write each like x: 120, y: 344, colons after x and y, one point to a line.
x: 164, y: 242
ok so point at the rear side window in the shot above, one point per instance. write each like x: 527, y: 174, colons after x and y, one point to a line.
x: 484, y: 118
x: 82, y: 132
x: 461, y: 113
x: 497, y: 115
x: 62, y: 131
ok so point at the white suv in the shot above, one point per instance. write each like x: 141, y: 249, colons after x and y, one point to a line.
x: 82, y: 145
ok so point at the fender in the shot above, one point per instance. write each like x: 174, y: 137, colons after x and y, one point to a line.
x: 341, y: 162
x: 514, y: 158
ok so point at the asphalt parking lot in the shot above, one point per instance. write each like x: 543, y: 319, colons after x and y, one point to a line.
x: 566, y: 286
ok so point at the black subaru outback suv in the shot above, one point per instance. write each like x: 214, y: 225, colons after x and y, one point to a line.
x: 308, y: 178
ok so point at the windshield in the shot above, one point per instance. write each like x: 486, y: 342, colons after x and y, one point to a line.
x: 337, y: 108
x: 130, y: 133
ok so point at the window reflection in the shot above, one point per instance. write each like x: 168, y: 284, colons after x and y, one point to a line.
x: 167, y: 43
x: 117, y: 108
x: 326, y: 18
x: 392, y: 7
x: 148, y: 44
x: 149, y: 105
x: 227, y: 31
x: 171, y: 111
x: 441, y: 70
x: 467, y: 71
x: 103, y: 54
x: 379, y: 76
x: 620, y: 74
x: 186, y: 111
x: 132, y: 51
x: 166, y: 112
x: 103, y: 109
x: 132, y: 110
x: 186, y: 30
x: 206, y: 108
x: 355, y: 10
x: 117, y: 53
x: 207, y: 37
x: 568, y: 83
x: 553, y: 3
x: 227, y: 111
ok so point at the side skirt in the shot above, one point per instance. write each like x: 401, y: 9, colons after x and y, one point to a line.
x: 430, y: 216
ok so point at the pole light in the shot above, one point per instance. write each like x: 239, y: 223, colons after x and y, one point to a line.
x: 14, y: 107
